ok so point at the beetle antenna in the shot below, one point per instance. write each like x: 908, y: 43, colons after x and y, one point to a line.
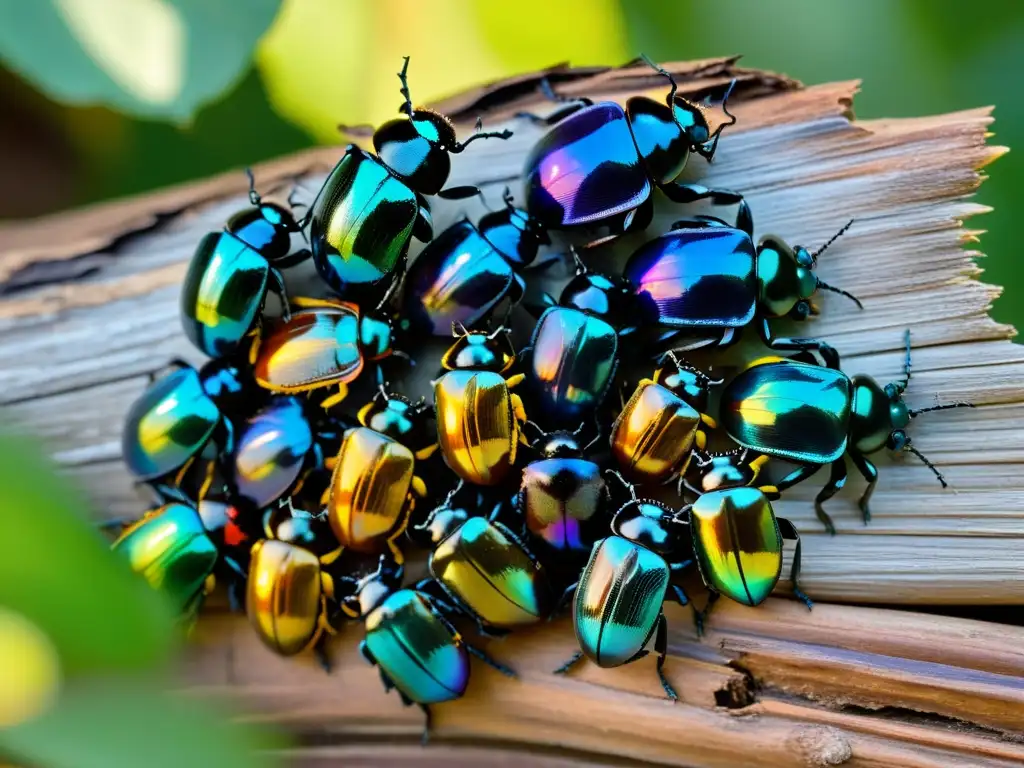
x: 662, y: 71
x: 927, y: 463
x: 942, y: 407
x: 254, y: 196
x: 541, y: 434
x: 832, y: 239
x: 446, y: 504
x: 841, y: 292
x: 402, y: 77
x: 625, y: 483
x: 480, y: 133
x: 458, y: 329
x: 581, y: 268
x: 709, y: 147
x: 901, y: 386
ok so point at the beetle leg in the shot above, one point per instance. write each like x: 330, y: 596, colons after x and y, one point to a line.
x: 565, y: 668
x: 336, y: 398
x: 700, y: 618
x: 278, y: 287
x: 679, y: 594
x: 566, y: 598
x: 425, y: 453
x: 418, y: 486
x: 513, y: 381
x: 800, y: 474
x: 423, y: 227
x: 491, y: 662
x: 211, y: 467
x: 235, y: 584
x: 427, y: 720
x: 661, y: 648
x: 836, y: 481
x: 870, y: 473
x: 691, y: 193
x: 403, y: 523
x: 331, y: 556
x: 789, y: 531
x: 827, y: 352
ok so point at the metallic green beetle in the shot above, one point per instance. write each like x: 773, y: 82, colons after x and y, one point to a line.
x: 737, y: 539
x: 289, y: 585
x: 410, y: 638
x: 478, y: 418
x: 171, y: 548
x: 814, y: 416
x: 617, y: 603
x: 487, y: 570
x: 657, y: 431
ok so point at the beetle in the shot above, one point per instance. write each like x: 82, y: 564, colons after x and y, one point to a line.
x: 486, y: 570
x: 617, y: 602
x: 226, y: 285
x: 174, y: 551
x: 323, y: 344
x: 411, y: 639
x: 597, y: 164
x: 737, y: 538
x: 707, y: 278
x: 401, y: 419
x: 371, y: 205
x: 181, y: 416
x: 373, y: 489
x: 468, y: 270
x: 813, y: 416
x: 478, y: 418
x: 573, y: 354
x: 276, y: 450
x: 289, y: 585
x: 661, y: 425
x: 562, y: 494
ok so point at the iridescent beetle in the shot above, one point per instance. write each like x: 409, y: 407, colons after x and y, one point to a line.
x: 411, y: 638
x: 813, y: 416
x: 598, y: 164
x: 657, y: 431
x: 478, y: 418
x: 325, y: 344
x: 226, y: 285
x: 371, y: 205
x: 465, y: 272
x: 290, y: 585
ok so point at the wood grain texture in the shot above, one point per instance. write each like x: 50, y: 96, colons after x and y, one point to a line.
x: 88, y: 306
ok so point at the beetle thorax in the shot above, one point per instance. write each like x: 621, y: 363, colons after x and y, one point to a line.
x: 647, y: 523
x: 560, y: 445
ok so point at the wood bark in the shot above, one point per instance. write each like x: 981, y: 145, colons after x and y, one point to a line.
x: 88, y: 306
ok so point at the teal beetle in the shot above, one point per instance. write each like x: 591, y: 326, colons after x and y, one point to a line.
x: 617, y: 602
x: 410, y: 637
x: 487, y: 570
x: 737, y: 538
x: 814, y: 416
x: 231, y: 271
x: 173, y: 550
x: 371, y: 205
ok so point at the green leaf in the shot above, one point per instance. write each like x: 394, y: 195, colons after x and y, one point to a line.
x: 128, y: 724
x: 58, y: 571
x: 150, y: 58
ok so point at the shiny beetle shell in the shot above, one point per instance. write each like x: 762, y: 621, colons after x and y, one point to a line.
x: 653, y: 437
x: 283, y: 595
x: 168, y: 425
x: 416, y: 649
x: 369, y: 490
x: 696, y: 276
x: 738, y: 544
x: 222, y: 293
x: 572, y: 364
x: 585, y: 169
x: 618, y: 600
x: 172, y: 551
x: 458, y: 278
x: 789, y: 409
x: 487, y: 568
x: 558, y: 497
x: 271, y: 451
x: 360, y: 226
x: 476, y: 425
x: 317, y: 347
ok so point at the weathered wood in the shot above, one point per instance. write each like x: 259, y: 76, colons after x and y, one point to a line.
x: 88, y: 306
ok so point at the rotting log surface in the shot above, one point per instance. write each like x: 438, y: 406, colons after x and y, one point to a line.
x: 88, y: 306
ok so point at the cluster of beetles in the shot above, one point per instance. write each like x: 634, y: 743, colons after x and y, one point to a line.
x: 549, y: 461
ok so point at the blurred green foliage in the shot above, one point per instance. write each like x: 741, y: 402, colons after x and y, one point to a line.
x: 84, y: 644
x: 328, y: 61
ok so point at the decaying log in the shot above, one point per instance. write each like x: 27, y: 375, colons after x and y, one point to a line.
x: 88, y: 306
